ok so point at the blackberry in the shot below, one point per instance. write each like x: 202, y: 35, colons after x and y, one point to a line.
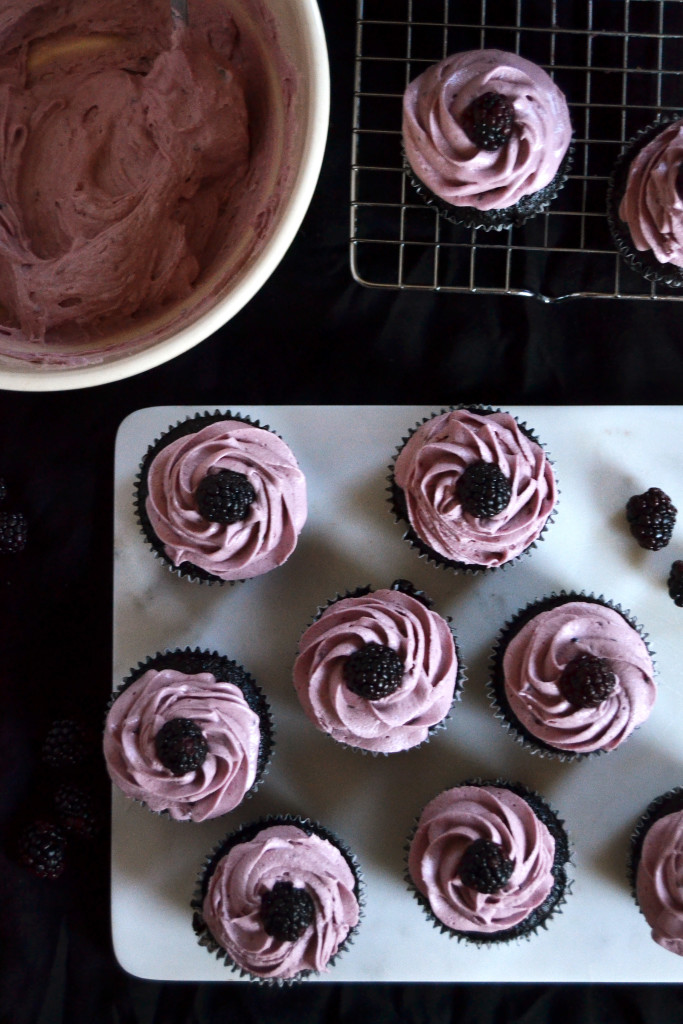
x: 42, y: 849
x: 225, y: 497
x: 286, y: 911
x: 13, y: 532
x: 586, y: 681
x: 3, y: 488
x: 484, y: 866
x: 373, y: 671
x: 76, y: 810
x: 181, y: 745
x: 483, y: 490
x: 66, y: 745
x: 488, y: 120
x: 651, y: 517
x: 675, y: 583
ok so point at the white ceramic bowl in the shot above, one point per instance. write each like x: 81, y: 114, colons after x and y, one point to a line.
x: 302, y: 41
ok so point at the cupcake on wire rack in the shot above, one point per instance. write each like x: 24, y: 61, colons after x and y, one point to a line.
x: 280, y: 899
x: 220, y: 498
x: 475, y: 488
x: 654, y: 867
x: 572, y: 676
x: 487, y: 861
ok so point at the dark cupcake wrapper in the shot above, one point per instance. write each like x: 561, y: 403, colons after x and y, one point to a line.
x: 191, y: 425
x: 541, y: 915
x: 494, y: 220
x: 194, y: 660
x: 670, y: 802
x: 496, y: 683
x: 245, y: 833
x: 644, y: 262
x: 461, y: 676
x: 399, y: 510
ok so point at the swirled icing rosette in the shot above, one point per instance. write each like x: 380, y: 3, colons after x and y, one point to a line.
x: 645, y: 202
x: 487, y: 861
x: 221, y: 499
x: 279, y: 899
x: 378, y: 670
x: 572, y: 676
x: 656, y: 869
x: 475, y: 487
x: 188, y: 734
x: 487, y: 137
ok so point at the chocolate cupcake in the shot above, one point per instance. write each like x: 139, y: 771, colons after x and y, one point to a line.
x: 487, y: 861
x: 378, y: 670
x: 279, y: 900
x: 572, y: 676
x: 645, y: 202
x: 655, y: 869
x: 486, y: 138
x: 188, y: 734
x: 220, y: 498
x: 475, y: 488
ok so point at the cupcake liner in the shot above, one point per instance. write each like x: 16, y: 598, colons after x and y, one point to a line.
x: 398, y: 507
x: 461, y: 676
x: 496, y: 685
x: 666, y: 803
x: 190, y: 425
x: 645, y: 262
x: 245, y: 833
x: 494, y: 220
x: 553, y: 903
x: 192, y: 661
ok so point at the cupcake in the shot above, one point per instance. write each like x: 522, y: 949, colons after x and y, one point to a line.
x: 487, y: 861
x: 486, y: 137
x: 572, y: 676
x: 378, y: 670
x: 475, y: 487
x: 645, y: 202
x: 655, y: 869
x: 279, y: 899
x: 220, y: 498
x: 188, y: 734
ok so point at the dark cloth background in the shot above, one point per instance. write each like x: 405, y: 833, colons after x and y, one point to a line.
x: 312, y: 335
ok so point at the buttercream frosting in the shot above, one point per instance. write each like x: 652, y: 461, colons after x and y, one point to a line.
x: 448, y: 825
x: 232, y: 905
x: 421, y: 638
x: 428, y: 468
x: 536, y: 655
x: 230, y: 551
x: 445, y: 159
x: 652, y: 204
x: 659, y: 881
x: 230, y: 727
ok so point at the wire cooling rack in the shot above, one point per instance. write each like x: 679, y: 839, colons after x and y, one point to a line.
x: 620, y: 64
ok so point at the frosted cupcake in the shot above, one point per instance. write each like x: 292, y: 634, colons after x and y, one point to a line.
x: 279, y: 900
x: 488, y: 861
x: 220, y: 498
x: 188, y: 734
x: 655, y: 861
x: 378, y: 670
x: 475, y: 487
x: 572, y: 676
x: 486, y: 136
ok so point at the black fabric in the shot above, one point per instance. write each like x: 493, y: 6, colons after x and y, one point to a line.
x: 312, y: 335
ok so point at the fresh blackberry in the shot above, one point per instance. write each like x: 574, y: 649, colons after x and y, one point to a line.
x: 373, y: 671
x: 42, y: 849
x: 484, y: 866
x: 13, y: 532
x: 651, y: 517
x: 483, y: 490
x: 586, y: 681
x: 3, y: 488
x: 675, y: 583
x: 488, y: 120
x: 76, y: 810
x: 181, y: 745
x: 67, y: 744
x: 286, y: 911
x: 225, y: 497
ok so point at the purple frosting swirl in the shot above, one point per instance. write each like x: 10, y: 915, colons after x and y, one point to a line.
x: 230, y: 551
x: 652, y: 204
x: 232, y: 731
x: 658, y: 881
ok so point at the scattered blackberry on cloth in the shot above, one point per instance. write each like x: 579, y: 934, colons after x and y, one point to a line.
x: 483, y: 490
x: 488, y: 120
x: 675, y: 583
x: 286, y: 911
x: 76, y: 810
x: 3, y: 489
x: 373, y: 671
x: 651, y: 517
x: 485, y: 867
x: 13, y: 532
x: 181, y: 745
x: 66, y: 745
x: 225, y: 497
x: 586, y: 681
x: 42, y: 849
